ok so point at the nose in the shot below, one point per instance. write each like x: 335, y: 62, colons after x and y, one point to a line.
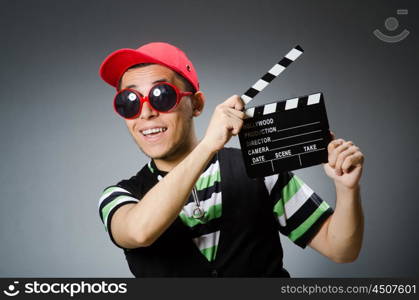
x: 147, y: 112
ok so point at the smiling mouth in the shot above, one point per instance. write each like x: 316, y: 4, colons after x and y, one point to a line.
x: 153, y: 131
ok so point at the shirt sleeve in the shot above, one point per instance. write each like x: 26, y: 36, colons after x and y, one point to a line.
x: 111, y: 199
x: 299, y: 211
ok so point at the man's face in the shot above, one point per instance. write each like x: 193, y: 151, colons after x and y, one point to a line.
x: 175, y: 127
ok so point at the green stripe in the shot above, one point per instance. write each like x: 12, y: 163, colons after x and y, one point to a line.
x: 212, y: 213
x: 287, y: 193
x: 210, y: 252
x: 150, y: 167
x: 208, y: 181
x: 291, y: 188
x: 300, y: 230
x: 279, y: 208
x: 108, y: 207
x: 110, y: 189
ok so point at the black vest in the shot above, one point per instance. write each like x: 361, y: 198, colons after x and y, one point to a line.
x: 249, y: 244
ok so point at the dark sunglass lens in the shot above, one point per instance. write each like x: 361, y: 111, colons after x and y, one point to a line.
x: 127, y: 104
x: 163, y: 97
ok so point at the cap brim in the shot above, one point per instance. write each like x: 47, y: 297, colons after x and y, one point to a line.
x: 116, y: 63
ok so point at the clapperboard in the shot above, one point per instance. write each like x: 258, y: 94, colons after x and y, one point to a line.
x: 285, y: 135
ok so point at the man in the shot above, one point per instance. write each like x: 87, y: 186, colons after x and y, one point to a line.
x: 192, y: 210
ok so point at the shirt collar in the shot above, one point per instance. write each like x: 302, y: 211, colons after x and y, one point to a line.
x: 160, y: 174
x: 153, y: 168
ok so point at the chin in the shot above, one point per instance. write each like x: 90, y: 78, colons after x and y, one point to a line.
x: 155, y: 153
x: 164, y: 153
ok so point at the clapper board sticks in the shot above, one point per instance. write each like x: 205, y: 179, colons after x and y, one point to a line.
x: 272, y: 74
x: 285, y: 135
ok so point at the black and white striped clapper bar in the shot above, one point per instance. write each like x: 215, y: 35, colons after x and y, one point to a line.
x: 285, y: 135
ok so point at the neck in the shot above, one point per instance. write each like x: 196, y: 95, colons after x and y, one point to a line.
x: 168, y: 163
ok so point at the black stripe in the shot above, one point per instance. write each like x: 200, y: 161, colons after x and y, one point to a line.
x: 258, y: 111
x: 301, y: 214
x: 163, y: 173
x: 281, y: 182
x: 312, y: 231
x: 280, y: 106
x: 207, y: 193
x: 299, y: 48
x: 302, y: 101
x: 201, y: 229
x: 108, y: 225
x: 111, y: 197
x: 285, y: 62
x: 268, y: 77
x: 251, y: 92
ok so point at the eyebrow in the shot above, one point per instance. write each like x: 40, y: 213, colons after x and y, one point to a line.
x: 160, y: 80
x: 154, y: 82
x: 134, y: 86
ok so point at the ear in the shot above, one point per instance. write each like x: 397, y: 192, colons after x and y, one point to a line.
x: 198, y: 102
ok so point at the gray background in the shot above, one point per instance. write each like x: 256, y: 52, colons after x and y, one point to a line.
x: 61, y: 142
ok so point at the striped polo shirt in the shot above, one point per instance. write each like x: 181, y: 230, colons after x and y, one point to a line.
x: 205, y: 230
x: 297, y: 210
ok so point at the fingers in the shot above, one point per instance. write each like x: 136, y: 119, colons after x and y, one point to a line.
x: 334, y: 153
x: 234, y: 120
x: 229, y: 118
x: 335, y: 147
x: 352, y: 160
x: 234, y: 102
x: 343, y: 156
x: 235, y: 125
x: 232, y: 110
x: 334, y: 144
x: 236, y: 113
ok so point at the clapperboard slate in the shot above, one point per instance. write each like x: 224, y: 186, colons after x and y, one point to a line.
x: 285, y: 135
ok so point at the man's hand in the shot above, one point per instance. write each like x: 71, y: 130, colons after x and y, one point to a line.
x: 345, y: 163
x: 226, y: 121
x: 340, y: 237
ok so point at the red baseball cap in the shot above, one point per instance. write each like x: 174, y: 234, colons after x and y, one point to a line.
x: 116, y: 63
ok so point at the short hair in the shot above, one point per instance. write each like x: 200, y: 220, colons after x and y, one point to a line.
x: 188, y: 86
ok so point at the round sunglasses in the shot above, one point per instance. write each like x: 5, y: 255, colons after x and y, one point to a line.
x: 163, y: 97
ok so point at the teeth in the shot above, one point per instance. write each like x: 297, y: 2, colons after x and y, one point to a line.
x: 153, y: 130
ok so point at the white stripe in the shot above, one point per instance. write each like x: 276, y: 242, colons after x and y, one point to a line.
x: 292, y: 103
x: 313, y: 99
x: 207, y: 240
x: 212, y: 169
x: 246, y: 99
x: 270, y: 182
x: 282, y: 221
x: 250, y: 112
x: 276, y: 70
x: 260, y: 85
x: 124, y: 199
x: 298, y: 200
x: 293, y: 54
x: 114, y: 189
x: 205, y: 204
x: 269, y: 108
